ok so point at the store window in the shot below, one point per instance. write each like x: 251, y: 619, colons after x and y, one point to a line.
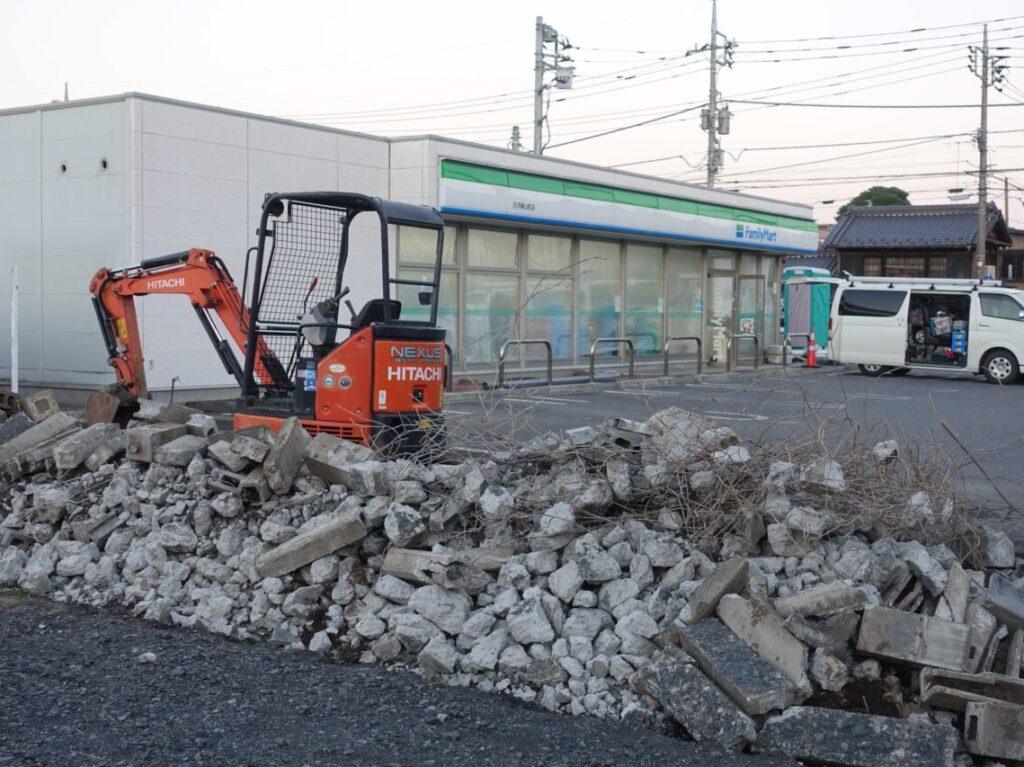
x: 548, y: 309
x: 492, y: 312
x: 491, y: 249
x: 447, y: 302
x: 685, y: 295
x: 721, y: 260
x: 645, y: 297
x: 548, y: 254
x: 599, y: 296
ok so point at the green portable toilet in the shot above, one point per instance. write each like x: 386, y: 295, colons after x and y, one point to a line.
x: 807, y: 303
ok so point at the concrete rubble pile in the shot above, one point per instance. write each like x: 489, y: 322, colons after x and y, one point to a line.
x: 560, y: 573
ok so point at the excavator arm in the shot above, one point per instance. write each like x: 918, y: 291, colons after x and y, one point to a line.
x: 201, y: 276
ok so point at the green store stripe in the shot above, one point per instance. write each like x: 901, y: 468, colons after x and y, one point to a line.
x: 479, y: 174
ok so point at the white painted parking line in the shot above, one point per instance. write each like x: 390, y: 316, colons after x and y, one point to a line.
x: 725, y: 415
x: 639, y: 392
x: 545, y: 400
x: 889, y: 397
x: 457, y: 412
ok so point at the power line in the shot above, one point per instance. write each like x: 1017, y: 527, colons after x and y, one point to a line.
x: 628, y: 127
x: 865, y: 106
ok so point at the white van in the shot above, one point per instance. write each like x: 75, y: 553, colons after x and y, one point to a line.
x: 893, y: 325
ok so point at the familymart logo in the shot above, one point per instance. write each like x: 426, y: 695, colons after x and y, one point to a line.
x: 755, y: 233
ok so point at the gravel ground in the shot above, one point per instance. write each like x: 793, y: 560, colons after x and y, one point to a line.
x: 72, y: 692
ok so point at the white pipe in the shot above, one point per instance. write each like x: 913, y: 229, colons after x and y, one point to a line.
x: 14, y: 329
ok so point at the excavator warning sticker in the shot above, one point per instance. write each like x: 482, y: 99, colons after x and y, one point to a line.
x: 344, y: 382
x: 122, y: 328
x: 328, y: 382
x: 382, y: 398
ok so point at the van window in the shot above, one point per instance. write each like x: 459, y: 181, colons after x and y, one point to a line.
x: 1001, y: 307
x: 871, y: 303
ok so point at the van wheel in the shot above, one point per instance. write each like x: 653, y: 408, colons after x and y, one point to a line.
x: 874, y: 370
x: 1000, y: 367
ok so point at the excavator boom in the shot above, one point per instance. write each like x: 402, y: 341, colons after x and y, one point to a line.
x: 205, y: 280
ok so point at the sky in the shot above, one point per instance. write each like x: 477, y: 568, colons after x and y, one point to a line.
x: 465, y: 70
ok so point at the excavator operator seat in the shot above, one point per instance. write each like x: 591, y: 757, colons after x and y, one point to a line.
x: 373, y: 311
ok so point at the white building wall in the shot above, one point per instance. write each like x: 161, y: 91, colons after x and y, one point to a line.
x: 62, y: 217
x: 200, y: 177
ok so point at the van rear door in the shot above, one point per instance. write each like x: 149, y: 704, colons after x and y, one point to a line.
x: 870, y: 326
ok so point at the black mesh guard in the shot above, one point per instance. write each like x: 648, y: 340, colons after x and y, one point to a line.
x: 306, y: 248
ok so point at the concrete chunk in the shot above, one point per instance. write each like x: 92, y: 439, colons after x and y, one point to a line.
x: 72, y: 451
x: 994, y: 729
x: 826, y: 599
x: 221, y: 452
x: 728, y: 578
x: 325, y: 539
x: 163, y: 412
x: 695, y: 702
x: 14, y: 426
x: 914, y: 639
x: 326, y: 456
x: 982, y: 625
x: 285, y: 457
x: 107, y: 451
x: 756, y: 685
x: 1005, y: 600
x: 250, y: 447
x: 958, y: 588
x: 760, y: 626
x: 180, y: 451
x: 40, y: 406
x: 143, y: 441
x: 954, y: 690
x: 832, y: 736
x: 35, y: 436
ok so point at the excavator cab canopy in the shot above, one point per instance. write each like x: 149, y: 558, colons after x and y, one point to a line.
x: 299, y: 277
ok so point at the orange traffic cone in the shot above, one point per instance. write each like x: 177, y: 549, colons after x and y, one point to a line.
x: 812, y: 352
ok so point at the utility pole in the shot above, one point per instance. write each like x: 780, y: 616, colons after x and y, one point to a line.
x: 990, y: 71
x: 713, y: 119
x: 560, y: 64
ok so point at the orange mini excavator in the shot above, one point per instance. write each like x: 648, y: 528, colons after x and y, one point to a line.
x: 381, y: 384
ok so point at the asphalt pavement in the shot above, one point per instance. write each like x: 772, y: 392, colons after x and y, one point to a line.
x: 978, y: 425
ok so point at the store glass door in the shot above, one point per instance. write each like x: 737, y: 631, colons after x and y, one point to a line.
x: 718, y: 313
x: 749, y: 316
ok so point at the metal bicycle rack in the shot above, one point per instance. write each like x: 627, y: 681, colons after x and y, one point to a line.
x: 700, y: 362
x: 612, y: 340
x: 741, y: 337
x: 786, y: 345
x: 524, y: 342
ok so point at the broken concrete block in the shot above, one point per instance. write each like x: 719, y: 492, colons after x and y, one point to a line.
x: 824, y: 475
x: 163, y: 412
x: 756, y: 685
x: 695, y: 702
x: 958, y: 588
x: 326, y: 456
x: 40, y: 406
x: 403, y: 525
x: 825, y: 599
x: 221, y: 452
x: 365, y: 478
x: 285, y: 457
x: 998, y: 551
x: 72, y: 451
x: 954, y: 690
x: 107, y: 452
x: 336, y: 533
x: 832, y: 633
x: 832, y: 736
x: 14, y: 426
x: 180, y: 451
x: 989, y: 661
x: 1013, y: 656
x: 994, y: 729
x: 828, y: 671
x: 445, y: 608
x: 786, y: 542
x: 982, y: 625
x: 254, y: 487
x: 1005, y: 600
x: 760, y: 626
x: 56, y: 426
x: 413, y: 565
x: 728, y: 578
x: 143, y: 441
x: 249, y: 447
x: 932, y: 574
x: 914, y: 639
x: 201, y: 425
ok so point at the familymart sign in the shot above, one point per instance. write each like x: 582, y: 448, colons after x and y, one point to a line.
x: 479, y: 191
